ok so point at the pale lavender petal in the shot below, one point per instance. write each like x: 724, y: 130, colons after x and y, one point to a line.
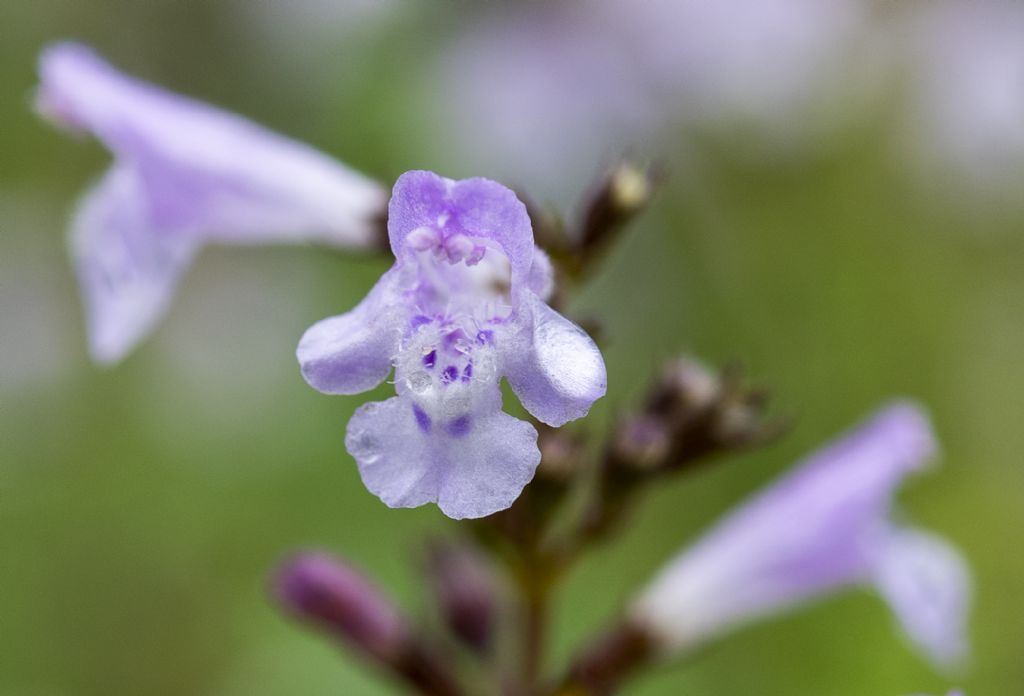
x: 127, y: 276
x: 928, y: 587
x: 822, y: 527
x: 408, y: 459
x: 352, y: 352
x: 478, y: 208
x: 204, y: 172
x: 555, y: 368
x: 542, y: 275
x: 490, y: 467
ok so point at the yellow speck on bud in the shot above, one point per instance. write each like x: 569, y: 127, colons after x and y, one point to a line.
x: 630, y: 187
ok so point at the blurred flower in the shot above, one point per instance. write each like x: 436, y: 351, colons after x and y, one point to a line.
x: 185, y: 174
x: 966, y: 61
x: 580, y: 81
x: 458, y: 310
x: 822, y: 527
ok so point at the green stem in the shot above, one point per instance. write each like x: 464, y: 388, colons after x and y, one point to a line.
x: 534, y: 630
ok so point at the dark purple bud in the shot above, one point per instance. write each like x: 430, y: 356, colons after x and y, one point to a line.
x: 686, y: 387
x: 466, y: 591
x: 561, y: 452
x: 643, y: 442
x: 611, y: 660
x: 618, y: 196
x: 320, y: 590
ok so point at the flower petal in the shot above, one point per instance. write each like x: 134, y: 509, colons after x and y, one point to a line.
x: 470, y: 475
x: 475, y: 207
x: 352, y: 352
x: 927, y: 585
x: 127, y: 274
x: 208, y: 173
x: 817, y: 530
x: 489, y: 467
x: 556, y: 370
x: 542, y: 275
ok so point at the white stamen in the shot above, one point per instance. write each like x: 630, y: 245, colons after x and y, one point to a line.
x: 422, y: 238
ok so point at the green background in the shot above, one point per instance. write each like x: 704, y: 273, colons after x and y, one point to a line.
x: 142, y: 507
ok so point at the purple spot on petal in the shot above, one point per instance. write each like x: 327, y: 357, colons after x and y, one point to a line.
x: 460, y: 426
x: 450, y: 373
x: 467, y: 372
x: 476, y: 255
x: 456, y: 341
x: 430, y: 359
x: 485, y: 337
x: 422, y: 419
x: 418, y: 321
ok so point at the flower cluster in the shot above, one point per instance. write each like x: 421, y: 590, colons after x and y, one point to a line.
x: 464, y: 305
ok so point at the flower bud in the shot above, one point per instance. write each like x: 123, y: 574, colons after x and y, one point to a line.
x: 619, y: 195
x: 561, y: 452
x: 610, y: 660
x: 643, y: 442
x: 465, y: 590
x: 320, y: 590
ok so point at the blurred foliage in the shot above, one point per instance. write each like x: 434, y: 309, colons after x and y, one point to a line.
x: 142, y: 506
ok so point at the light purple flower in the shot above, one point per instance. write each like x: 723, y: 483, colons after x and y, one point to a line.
x: 822, y: 527
x: 184, y: 174
x: 461, y: 307
x: 581, y: 80
x: 966, y: 62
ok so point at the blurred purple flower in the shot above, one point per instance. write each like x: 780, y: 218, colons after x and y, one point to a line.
x: 582, y: 80
x: 184, y: 174
x: 822, y: 527
x: 967, y: 79
x: 458, y: 310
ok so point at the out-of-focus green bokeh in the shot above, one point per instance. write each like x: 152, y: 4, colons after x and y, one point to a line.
x: 142, y: 507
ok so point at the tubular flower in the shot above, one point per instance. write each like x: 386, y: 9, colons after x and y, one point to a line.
x: 822, y: 527
x: 184, y: 174
x: 461, y: 307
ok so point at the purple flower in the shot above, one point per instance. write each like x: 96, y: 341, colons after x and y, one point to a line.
x: 184, y: 174
x: 582, y: 78
x: 461, y: 307
x: 822, y: 527
x: 967, y: 96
